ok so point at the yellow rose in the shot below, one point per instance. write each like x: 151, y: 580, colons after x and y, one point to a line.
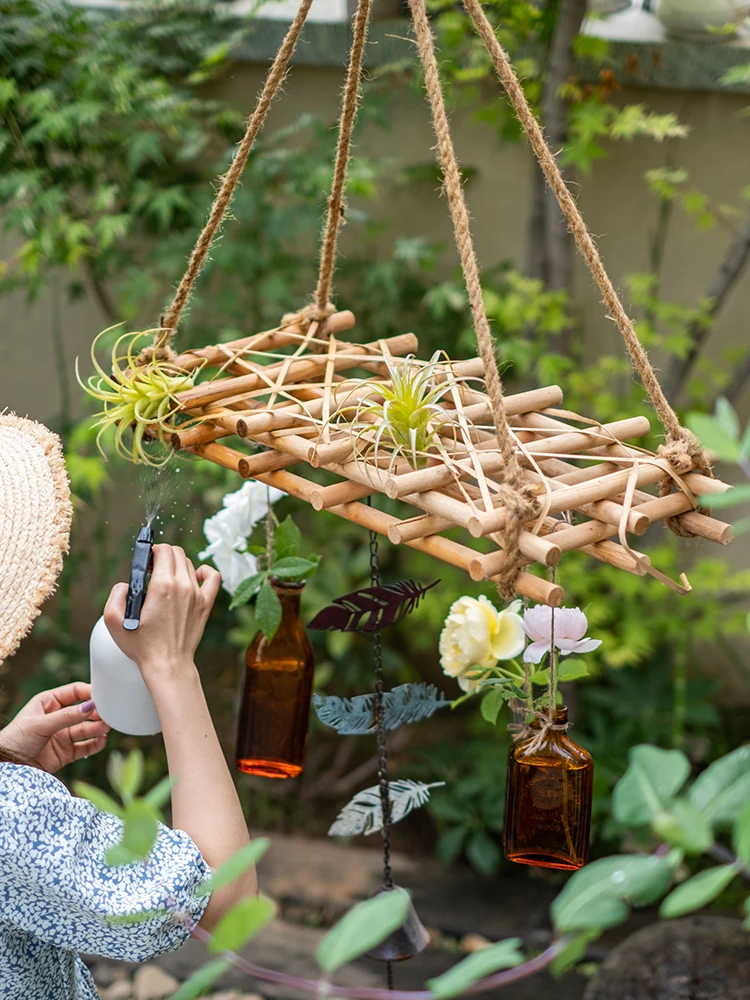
x: 477, y: 635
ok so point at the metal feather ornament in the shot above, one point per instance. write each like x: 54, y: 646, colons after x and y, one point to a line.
x: 371, y: 609
x: 364, y: 813
x: 356, y: 716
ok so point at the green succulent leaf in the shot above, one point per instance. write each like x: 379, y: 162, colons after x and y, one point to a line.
x: 364, y: 926
x: 721, y: 791
x: 648, y: 787
x: 235, y: 866
x: 684, y: 827
x: 241, y: 923
x: 600, y: 895
x: 202, y: 980
x: 697, y: 892
x: 503, y: 955
x: 102, y: 801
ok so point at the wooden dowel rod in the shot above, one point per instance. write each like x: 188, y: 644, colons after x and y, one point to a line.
x: 445, y: 549
x: 427, y: 479
x: 615, y: 555
x: 203, y: 433
x: 325, y: 497
x: 418, y: 527
x: 702, y: 525
x: 269, y: 340
x: 302, y: 370
x: 604, y: 510
x: 483, y: 567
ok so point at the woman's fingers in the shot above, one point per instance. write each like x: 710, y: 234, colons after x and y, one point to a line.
x: 64, y: 718
x: 67, y: 694
x: 210, y: 580
x: 88, y: 731
x: 89, y: 747
x: 181, y: 563
x: 164, y: 562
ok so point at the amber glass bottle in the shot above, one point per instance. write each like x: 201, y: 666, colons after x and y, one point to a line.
x: 276, y: 695
x: 548, y: 800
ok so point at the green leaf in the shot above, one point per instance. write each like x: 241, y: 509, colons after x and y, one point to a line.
x: 140, y: 830
x: 202, y: 980
x: 491, y: 705
x: 684, y: 827
x: 714, y: 437
x: 241, y: 923
x: 503, y: 955
x: 649, y: 785
x: 100, y: 799
x: 573, y: 952
x: 598, y: 896
x: 567, y: 670
x: 364, y: 926
x: 720, y: 792
x: 247, y: 589
x: 159, y: 795
x: 287, y: 539
x: 294, y: 568
x: 233, y: 867
x: 715, y: 501
x: 126, y: 773
x: 697, y: 892
x: 727, y: 418
x: 268, y: 610
x: 741, y: 835
x: 483, y: 852
x: 746, y: 908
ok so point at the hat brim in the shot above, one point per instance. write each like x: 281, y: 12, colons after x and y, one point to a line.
x: 35, y: 517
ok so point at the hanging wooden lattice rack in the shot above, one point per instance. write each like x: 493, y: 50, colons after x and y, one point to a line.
x: 531, y: 479
x: 580, y: 470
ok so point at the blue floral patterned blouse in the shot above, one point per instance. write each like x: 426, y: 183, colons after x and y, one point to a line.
x: 56, y: 892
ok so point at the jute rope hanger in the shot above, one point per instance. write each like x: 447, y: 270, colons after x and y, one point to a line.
x: 681, y: 449
x: 321, y: 308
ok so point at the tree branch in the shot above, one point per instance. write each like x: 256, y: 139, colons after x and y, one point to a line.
x: 732, y: 266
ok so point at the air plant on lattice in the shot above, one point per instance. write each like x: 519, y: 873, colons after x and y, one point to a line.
x: 403, y: 413
x: 143, y: 397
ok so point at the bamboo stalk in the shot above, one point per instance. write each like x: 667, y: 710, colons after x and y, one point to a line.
x: 301, y: 370
x: 257, y: 343
x: 325, y: 497
x: 430, y: 479
x: 418, y: 527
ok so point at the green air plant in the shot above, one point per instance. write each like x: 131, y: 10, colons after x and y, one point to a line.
x: 404, y: 410
x: 141, y: 397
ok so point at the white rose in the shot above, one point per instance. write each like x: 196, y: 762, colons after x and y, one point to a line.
x: 477, y: 635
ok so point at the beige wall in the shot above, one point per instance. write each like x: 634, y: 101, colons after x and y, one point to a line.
x: 615, y: 202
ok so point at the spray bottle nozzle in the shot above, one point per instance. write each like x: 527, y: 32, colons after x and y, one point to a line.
x: 139, y: 570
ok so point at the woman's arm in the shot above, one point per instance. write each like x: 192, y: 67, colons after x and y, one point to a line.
x: 204, y: 800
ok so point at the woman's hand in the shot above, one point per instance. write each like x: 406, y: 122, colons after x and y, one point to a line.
x: 174, y: 614
x: 54, y: 728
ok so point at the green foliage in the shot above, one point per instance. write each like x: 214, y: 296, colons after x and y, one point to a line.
x: 503, y: 955
x: 697, y: 892
x: 721, y: 790
x: 235, y: 866
x: 285, y: 564
x: 364, y: 926
x: 140, y: 816
x: 601, y: 894
x: 202, y: 979
x: 650, y: 784
x: 241, y: 923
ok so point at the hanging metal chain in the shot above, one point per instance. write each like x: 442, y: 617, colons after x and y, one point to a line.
x: 385, y: 799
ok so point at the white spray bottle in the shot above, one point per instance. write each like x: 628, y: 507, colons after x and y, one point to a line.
x: 117, y: 687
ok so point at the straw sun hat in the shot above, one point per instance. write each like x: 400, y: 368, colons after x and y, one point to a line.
x: 35, y: 514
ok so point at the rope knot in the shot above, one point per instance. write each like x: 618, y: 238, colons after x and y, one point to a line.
x: 683, y: 452
x: 521, y: 503
x: 308, y: 315
x: 154, y: 353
